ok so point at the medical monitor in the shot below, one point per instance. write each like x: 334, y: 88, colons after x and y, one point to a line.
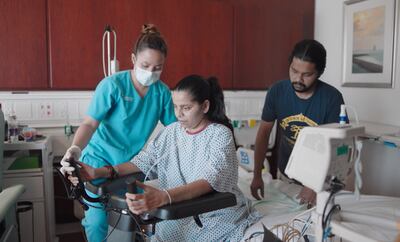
x: 322, y: 153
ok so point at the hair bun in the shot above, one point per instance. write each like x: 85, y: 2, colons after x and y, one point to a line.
x: 150, y: 29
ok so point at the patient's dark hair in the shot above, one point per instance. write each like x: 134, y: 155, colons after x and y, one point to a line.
x: 311, y: 51
x: 202, y: 89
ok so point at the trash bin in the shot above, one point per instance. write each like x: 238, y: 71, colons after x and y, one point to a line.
x: 25, y: 221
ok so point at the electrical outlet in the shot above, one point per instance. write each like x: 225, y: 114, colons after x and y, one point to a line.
x: 46, y: 110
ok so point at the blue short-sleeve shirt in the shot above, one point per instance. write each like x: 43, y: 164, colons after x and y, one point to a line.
x: 293, y: 113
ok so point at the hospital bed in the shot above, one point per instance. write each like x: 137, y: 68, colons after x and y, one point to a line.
x: 280, y: 207
x: 372, y: 217
x: 363, y: 218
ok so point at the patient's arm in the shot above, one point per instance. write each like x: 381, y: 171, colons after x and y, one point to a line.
x: 126, y: 168
x: 153, y: 198
x: 189, y: 191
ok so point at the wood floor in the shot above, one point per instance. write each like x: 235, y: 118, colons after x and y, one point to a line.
x: 75, y: 237
x: 70, y: 232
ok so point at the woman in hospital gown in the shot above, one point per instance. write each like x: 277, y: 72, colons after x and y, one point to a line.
x: 184, y: 158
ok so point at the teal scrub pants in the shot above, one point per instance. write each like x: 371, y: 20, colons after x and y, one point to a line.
x: 95, y: 221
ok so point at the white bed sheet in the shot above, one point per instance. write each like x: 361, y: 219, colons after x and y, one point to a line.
x: 281, y: 206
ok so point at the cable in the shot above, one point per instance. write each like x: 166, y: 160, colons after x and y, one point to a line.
x: 305, y: 227
x: 151, y: 168
x: 358, y: 168
x: 137, y: 223
x: 302, y: 213
x: 249, y: 207
x: 288, y: 232
x: 335, y: 187
x: 327, y: 231
x: 331, y: 211
x: 253, y: 235
x: 112, y: 230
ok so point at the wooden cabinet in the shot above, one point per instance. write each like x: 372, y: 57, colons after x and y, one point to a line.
x: 23, y: 45
x: 245, y: 43
x: 75, y: 32
x: 265, y: 33
x: 198, y: 34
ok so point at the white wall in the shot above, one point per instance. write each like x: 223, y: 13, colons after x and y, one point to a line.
x: 379, y: 105
x: 49, y: 111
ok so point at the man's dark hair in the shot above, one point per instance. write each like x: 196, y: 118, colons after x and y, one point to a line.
x: 311, y: 51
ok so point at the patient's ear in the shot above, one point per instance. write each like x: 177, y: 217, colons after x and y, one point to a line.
x: 206, y: 106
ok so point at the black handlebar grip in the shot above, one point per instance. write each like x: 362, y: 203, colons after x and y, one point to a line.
x: 75, y: 165
x: 131, y: 186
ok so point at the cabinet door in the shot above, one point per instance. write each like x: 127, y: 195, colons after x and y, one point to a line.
x: 265, y: 33
x: 199, y: 36
x: 23, y: 45
x: 198, y: 33
x: 76, y: 31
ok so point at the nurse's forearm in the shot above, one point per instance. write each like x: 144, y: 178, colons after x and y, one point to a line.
x: 85, y: 132
x: 189, y: 191
x: 82, y: 136
x: 126, y: 168
x: 121, y: 169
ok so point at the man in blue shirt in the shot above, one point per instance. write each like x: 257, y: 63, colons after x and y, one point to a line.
x: 304, y: 100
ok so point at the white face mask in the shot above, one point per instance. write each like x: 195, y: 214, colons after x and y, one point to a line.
x: 146, y: 78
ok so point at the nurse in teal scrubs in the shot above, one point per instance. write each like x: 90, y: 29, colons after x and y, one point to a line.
x: 123, y: 113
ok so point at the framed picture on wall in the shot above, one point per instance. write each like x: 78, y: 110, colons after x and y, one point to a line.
x: 369, y: 43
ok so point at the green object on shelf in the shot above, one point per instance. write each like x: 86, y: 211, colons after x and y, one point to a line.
x: 25, y: 162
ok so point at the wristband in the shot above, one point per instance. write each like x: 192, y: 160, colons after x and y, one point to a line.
x: 169, y: 196
x: 112, y: 172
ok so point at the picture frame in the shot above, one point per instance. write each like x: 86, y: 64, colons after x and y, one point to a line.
x: 369, y: 43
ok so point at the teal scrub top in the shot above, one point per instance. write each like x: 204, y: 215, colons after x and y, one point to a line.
x: 126, y: 120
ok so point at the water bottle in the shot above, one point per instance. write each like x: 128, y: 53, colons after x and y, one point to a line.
x: 12, y: 127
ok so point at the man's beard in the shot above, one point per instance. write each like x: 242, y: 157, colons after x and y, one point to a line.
x: 300, y: 87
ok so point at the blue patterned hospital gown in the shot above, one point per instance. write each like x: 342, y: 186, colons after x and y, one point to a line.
x: 183, y: 158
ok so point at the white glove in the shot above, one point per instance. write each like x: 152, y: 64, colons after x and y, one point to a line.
x: 72, y: 152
